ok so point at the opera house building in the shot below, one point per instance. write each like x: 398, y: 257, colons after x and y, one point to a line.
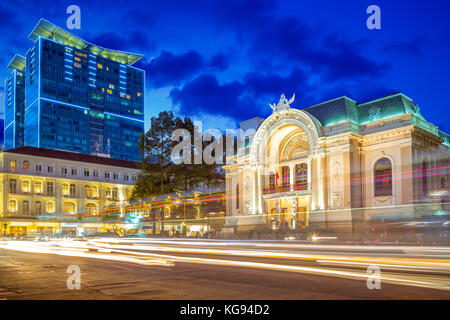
x: 338, y: 165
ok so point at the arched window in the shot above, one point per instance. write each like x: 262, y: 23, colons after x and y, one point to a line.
x: 127, y: 194
x: 382, y: 177
x: 65, y: 189
x: 115, y: 193
x: 301, y: 176
x: 424, y: 178
x: 87, y: 191
x: 50, y: 207
x: 95, y: 192
x: 12, y: 165
x: 12, y: 205
x: 26, y: 165
x: 38, y: 187
x: 49, y: 188
x: 73, y: 190
x: 12, y: 186
x: 69, y: 207
x: 26, y: 186
x: 37, y: 208
x: 108, y: 193
x: 443, y: 183
x: 285, y: 175
x: 91, y: 208
x: 25, y: 207
x: 272, y: 180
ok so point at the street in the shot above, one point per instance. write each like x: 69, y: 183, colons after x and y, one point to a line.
x: 211, y: 269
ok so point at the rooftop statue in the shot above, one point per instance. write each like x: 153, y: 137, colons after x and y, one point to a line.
x: 283, y: 104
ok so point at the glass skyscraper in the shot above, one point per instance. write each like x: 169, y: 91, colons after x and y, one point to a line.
x: 81, y: 97
x: 15, y: 104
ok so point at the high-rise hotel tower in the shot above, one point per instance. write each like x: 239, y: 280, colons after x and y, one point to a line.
x: 77, y: 96
x: 15, y: 103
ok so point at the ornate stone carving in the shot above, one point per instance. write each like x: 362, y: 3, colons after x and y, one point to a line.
x: 375, y: 114
x: 247, y: 207
x: 288, y: 147
x: 337, y: 200
x: 283, y: 104
x: 291, y: 114
x: 247, y: 185
x: 337, y: 170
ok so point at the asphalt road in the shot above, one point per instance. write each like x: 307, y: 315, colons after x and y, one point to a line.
x: 203, y: 271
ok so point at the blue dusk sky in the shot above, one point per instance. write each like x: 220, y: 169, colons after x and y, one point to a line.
x: 224, y: 62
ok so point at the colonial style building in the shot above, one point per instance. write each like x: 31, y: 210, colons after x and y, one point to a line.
x: 339, y: 164
x: 38, y: 184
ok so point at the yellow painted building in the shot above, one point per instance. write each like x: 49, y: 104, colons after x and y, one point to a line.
x: 39, y: 184
x: 339, y: 164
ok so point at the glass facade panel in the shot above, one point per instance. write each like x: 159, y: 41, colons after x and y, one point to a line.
x: 76, y: 101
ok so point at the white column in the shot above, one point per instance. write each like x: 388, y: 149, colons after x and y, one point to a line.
x: 254, y: 188
x: 309, y: 173
x: 291, y: 176
x: 320, y: 181
x: 258, y: 173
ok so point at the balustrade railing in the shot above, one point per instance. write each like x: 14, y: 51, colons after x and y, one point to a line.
x: 299, y: 186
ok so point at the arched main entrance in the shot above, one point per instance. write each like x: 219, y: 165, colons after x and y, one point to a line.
x: 283, y: 149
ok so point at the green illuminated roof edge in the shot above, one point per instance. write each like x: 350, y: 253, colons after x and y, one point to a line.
x: 44, y: 27
x: 17, y: 62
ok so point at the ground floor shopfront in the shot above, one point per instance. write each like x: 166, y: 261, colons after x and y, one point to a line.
x: 23, y: 227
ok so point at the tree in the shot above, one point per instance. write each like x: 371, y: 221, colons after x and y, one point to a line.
x: 159, y: 175
x: 155, y: 147
x: 189, y: 175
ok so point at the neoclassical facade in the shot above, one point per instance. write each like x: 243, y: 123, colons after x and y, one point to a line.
x: 40, y: 184
x: 339, y: 164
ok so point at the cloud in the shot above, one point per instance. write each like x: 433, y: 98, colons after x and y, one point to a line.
x: 220, y: 61
x: 211, y: 121
x: 240, y: 100
x: 413, y: 47
x: 335, y: 58
x: 241, y: 15
x: 133, y: 40
x: 170, y: 69
x: 205, y: 94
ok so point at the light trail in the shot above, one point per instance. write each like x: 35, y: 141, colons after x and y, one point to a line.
x: 217, y: 197
x: 396, y: 270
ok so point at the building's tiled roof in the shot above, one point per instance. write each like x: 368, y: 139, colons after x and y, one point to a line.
x: 73, y: 156
x: 345, y: 109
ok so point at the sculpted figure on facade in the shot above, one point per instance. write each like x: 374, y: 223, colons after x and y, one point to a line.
x: 283, y: 103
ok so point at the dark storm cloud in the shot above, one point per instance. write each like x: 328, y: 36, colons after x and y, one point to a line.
x: 239, y: 99
x: 336, y: 58
x: 133, y: 40
x: 170, y: 69
x: 413, y: 47
x: 205, y: 94
x: 220, y: 61
x: 273, y: 84
x: 243, y: 15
